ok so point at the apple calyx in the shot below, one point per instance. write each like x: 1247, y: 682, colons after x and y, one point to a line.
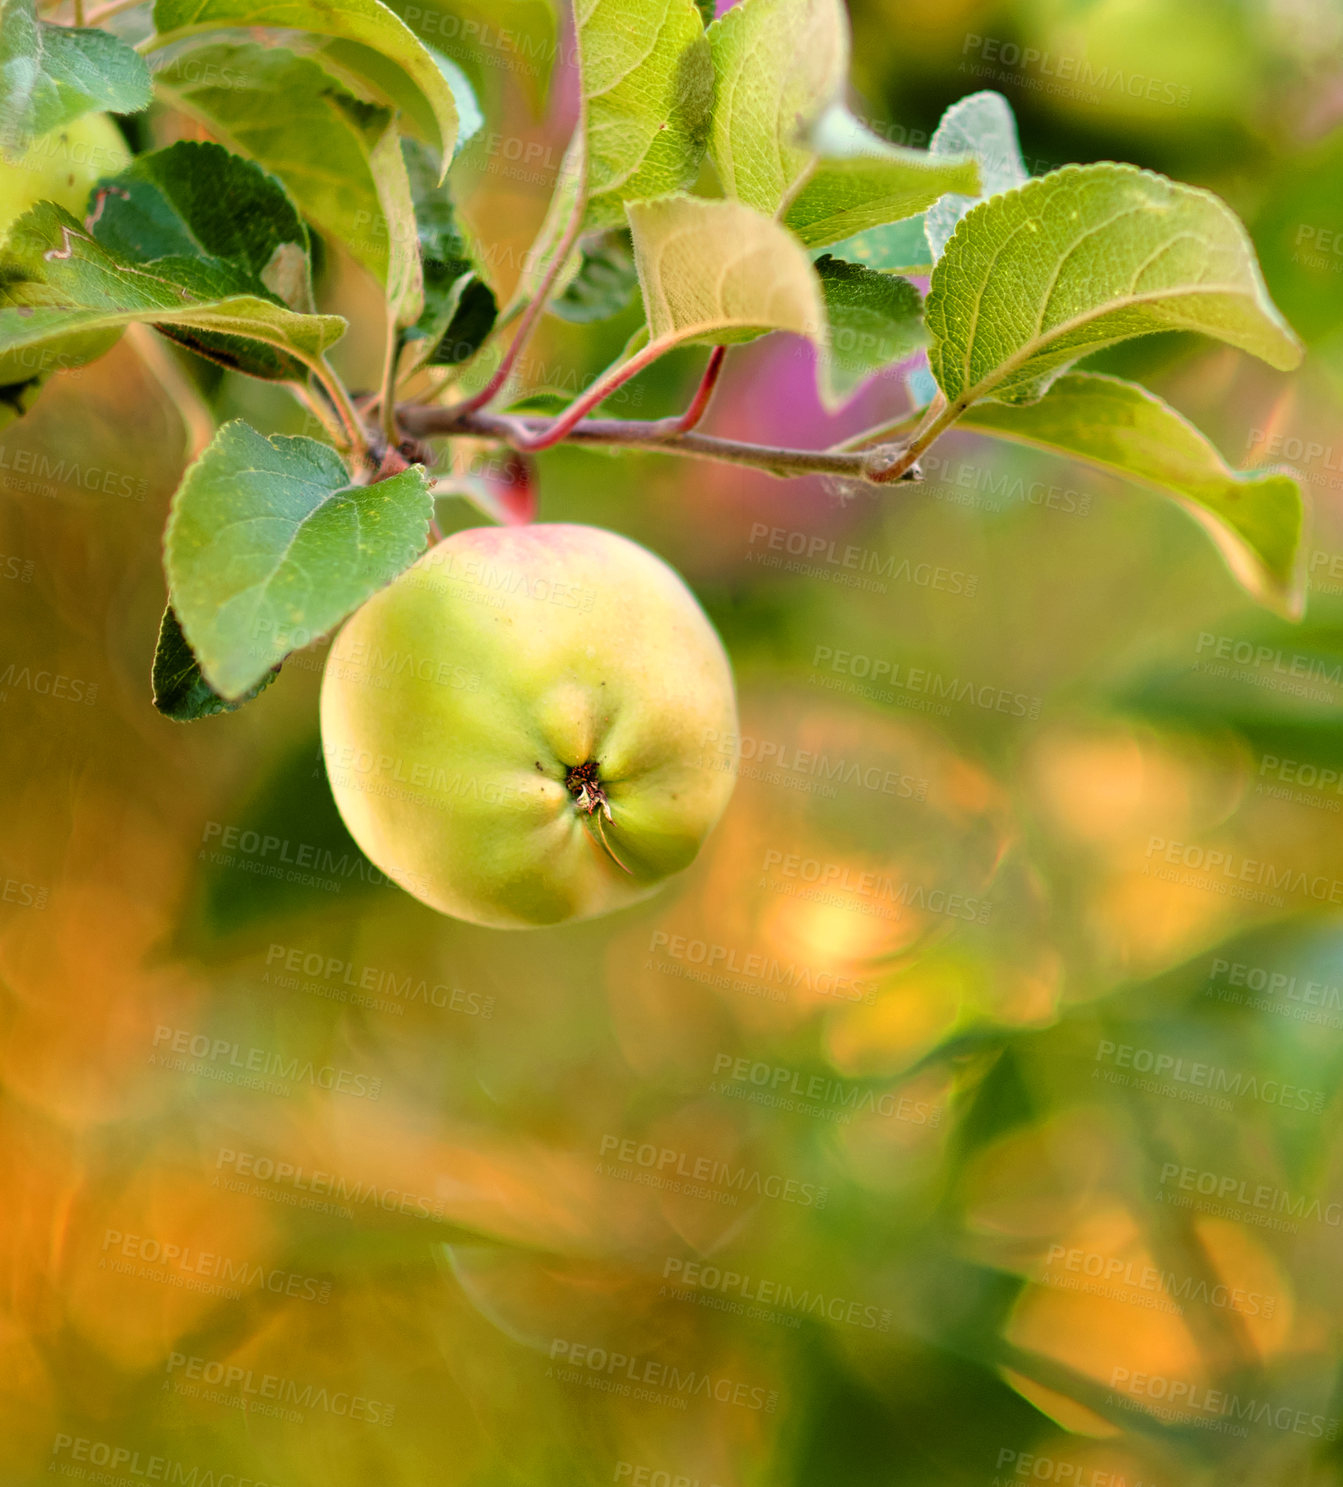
x: 585, y: 785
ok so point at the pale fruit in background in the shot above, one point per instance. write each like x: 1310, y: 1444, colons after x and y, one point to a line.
x: 62, y: 166
x: 529, y: 725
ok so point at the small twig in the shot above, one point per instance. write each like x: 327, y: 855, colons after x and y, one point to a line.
x: 881, y: 433
x: 79, y: 12
x: 894, y: 462
x: 431, y: 422
x: 387, y: 398
x: 340, y: 400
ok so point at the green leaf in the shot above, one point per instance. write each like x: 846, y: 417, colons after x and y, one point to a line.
x: 180, y: 690
x: 216, y: 224
x: 1256, y: 518
x: 778, y: 65
x: 369, y: 42
x: 984, y: 127
x: 856, y: 181
x: 719, y: 272
x: 20, y: 73
x: 873, y: 320
x: 196, y: 205
x: 58, y: 282
x: 288, y: 114
x: 50, y: 75
x: 605, y: 282
x: 459, y: 307
x: 268, y: 546
x: 647, y: 84
x: 470, y: 119
x: 405, y: 276
x: 1080, y: 259
x: 893, y: 248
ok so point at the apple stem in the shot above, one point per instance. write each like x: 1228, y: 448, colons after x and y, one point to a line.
x: 353, y: 424
x: 523, y: 439
x: 699, y: 404
x: 601, y: 837
x: 584, y: 784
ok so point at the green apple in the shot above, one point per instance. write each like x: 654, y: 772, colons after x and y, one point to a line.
x: 527, y: 726
x: 63, y: 167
